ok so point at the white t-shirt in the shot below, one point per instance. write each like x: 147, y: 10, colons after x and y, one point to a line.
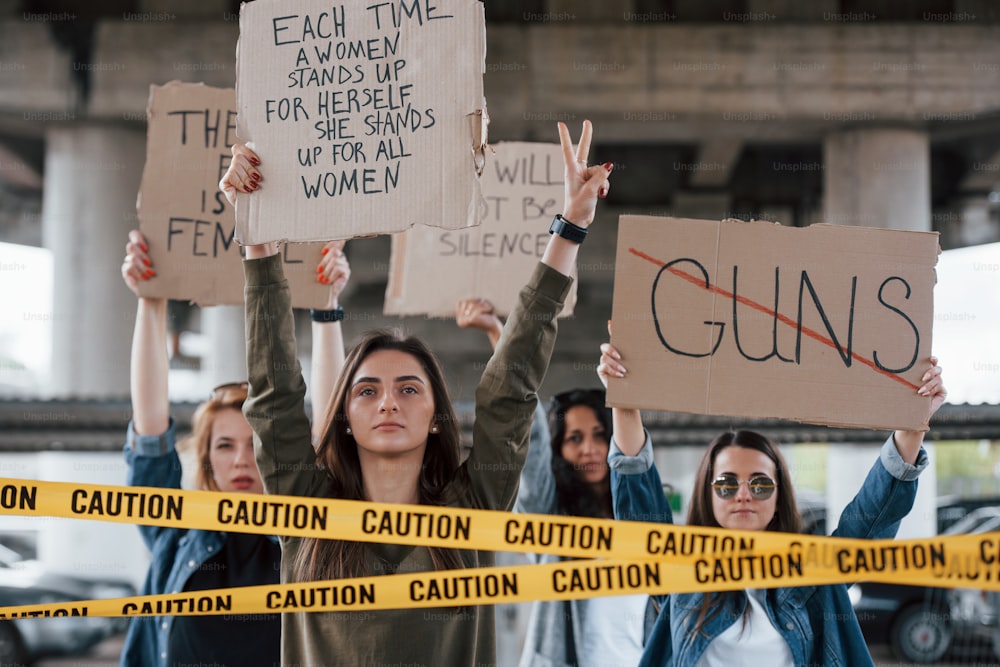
x: 755, y: 644
x: 613, y: 633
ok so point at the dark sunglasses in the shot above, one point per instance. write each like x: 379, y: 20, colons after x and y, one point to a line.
x: 761, y: 487
x: 568, y: 399
x: 223, y: 389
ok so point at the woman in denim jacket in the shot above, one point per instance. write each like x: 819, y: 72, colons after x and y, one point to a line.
x: 222, y: 444
x: 743, y: 484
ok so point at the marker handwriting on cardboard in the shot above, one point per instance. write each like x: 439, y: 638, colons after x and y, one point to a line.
x: 356, y: 93
x: 889, y: 294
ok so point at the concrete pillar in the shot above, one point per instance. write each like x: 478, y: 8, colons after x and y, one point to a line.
x: 226, y: 357
x: 92, y: 177
x: 877, y: 177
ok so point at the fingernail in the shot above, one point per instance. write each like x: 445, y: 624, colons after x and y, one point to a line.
x: 147, y: 262
x: 602, y: 192
x: 324, y: 251
x: 255, y: 176
x: 151, y: 273
x: 254, y: 161
x: 144, y: 247
x: 254, y: 186
x: 609, y: 166
x: 319, y: 269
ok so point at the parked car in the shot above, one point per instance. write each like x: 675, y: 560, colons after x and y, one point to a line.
x: 25, y: 581
x: 922, y: 625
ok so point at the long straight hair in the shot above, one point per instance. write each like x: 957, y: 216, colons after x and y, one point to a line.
x: 786, y: 517
x: 441, y: 480
x: 574, y: 495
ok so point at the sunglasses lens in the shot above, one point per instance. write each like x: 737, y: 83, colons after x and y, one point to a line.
x: 761, y: 488
x: 726, y: 487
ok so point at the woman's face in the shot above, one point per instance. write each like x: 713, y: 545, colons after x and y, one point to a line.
x: 585, y: 444
x: 230, y: 452
x: 743, y: 511
x: 390, y: 404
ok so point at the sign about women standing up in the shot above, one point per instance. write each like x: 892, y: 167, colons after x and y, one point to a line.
x: 368, y: 117
x: 187, y: 221
x: 826, y: 324
x: 431, y: 269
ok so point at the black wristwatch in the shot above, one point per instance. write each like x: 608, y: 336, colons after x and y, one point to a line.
x: 334, y: 315
x: 567, y: 229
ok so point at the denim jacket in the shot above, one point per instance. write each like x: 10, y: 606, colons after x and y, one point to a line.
x: 176, y: 552
x: 545, y: 644
x: 817, y: 622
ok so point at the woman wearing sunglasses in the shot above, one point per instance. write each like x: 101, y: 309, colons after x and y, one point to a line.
x: 391, y: 437
x: 567, y: 473
x: 221, y: 443
x: 743, y: 483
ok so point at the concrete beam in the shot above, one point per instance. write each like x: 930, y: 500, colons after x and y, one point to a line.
x: 641, y: 81
x: 715, y: 164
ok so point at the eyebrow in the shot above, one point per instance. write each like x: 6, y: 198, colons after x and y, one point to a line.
x: 401, y: 378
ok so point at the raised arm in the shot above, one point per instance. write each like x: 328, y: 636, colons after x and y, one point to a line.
x: 536, y: 493
x: 327, y: 334
x: 506, y: 397
x: 583, y: 186
x: 275, y: 405
x: 149, y: 365
x: 626, y: 422
x: 908, y: 443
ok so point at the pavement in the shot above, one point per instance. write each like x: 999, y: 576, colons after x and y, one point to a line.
x: 106, y: 654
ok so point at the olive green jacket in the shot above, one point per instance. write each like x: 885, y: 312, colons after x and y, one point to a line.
x: 505, y: 402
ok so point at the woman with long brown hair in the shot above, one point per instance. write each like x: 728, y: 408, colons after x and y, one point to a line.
x: 392, y: 437
x: 743, y: 483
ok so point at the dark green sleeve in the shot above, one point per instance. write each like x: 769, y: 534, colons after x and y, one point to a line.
x: 275, y: 406
x: 507, y: 393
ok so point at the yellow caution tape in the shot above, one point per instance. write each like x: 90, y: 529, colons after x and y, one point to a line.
x: 635, y: 557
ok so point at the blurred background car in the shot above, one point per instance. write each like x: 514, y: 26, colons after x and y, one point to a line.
x: 26, y: 581
x: 924, y: 624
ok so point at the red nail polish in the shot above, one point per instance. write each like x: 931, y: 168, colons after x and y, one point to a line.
x: 150, y: 274
x: 609, y: 166
x: 319, y: 269
x: 255, y: 176
x: 254, y: 186
x: 144, y: 247
x: 324, y: 251
x: 254, y: 161
x: 147, y: 262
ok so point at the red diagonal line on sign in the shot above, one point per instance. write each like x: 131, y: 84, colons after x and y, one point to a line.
x: 815, y: 335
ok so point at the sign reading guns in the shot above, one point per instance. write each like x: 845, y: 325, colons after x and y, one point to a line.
x: 826, y: 324
x: 186, y: 220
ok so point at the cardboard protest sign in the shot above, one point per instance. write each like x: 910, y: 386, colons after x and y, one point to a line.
x: 186, y: 219
x: 826, y: 324
x: 431, y: 269
x: 368, y: 118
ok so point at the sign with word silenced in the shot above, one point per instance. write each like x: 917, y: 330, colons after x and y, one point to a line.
x: 826, y: 324
x: 186, y: 220
x: 432, y: 269
x: 368, y: 117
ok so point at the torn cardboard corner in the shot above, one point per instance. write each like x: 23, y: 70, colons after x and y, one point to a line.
x: 432, y: 269
x: 825, y: 324
x: 360, y: 114
x: 479, y: 121
x: 187, y: 221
